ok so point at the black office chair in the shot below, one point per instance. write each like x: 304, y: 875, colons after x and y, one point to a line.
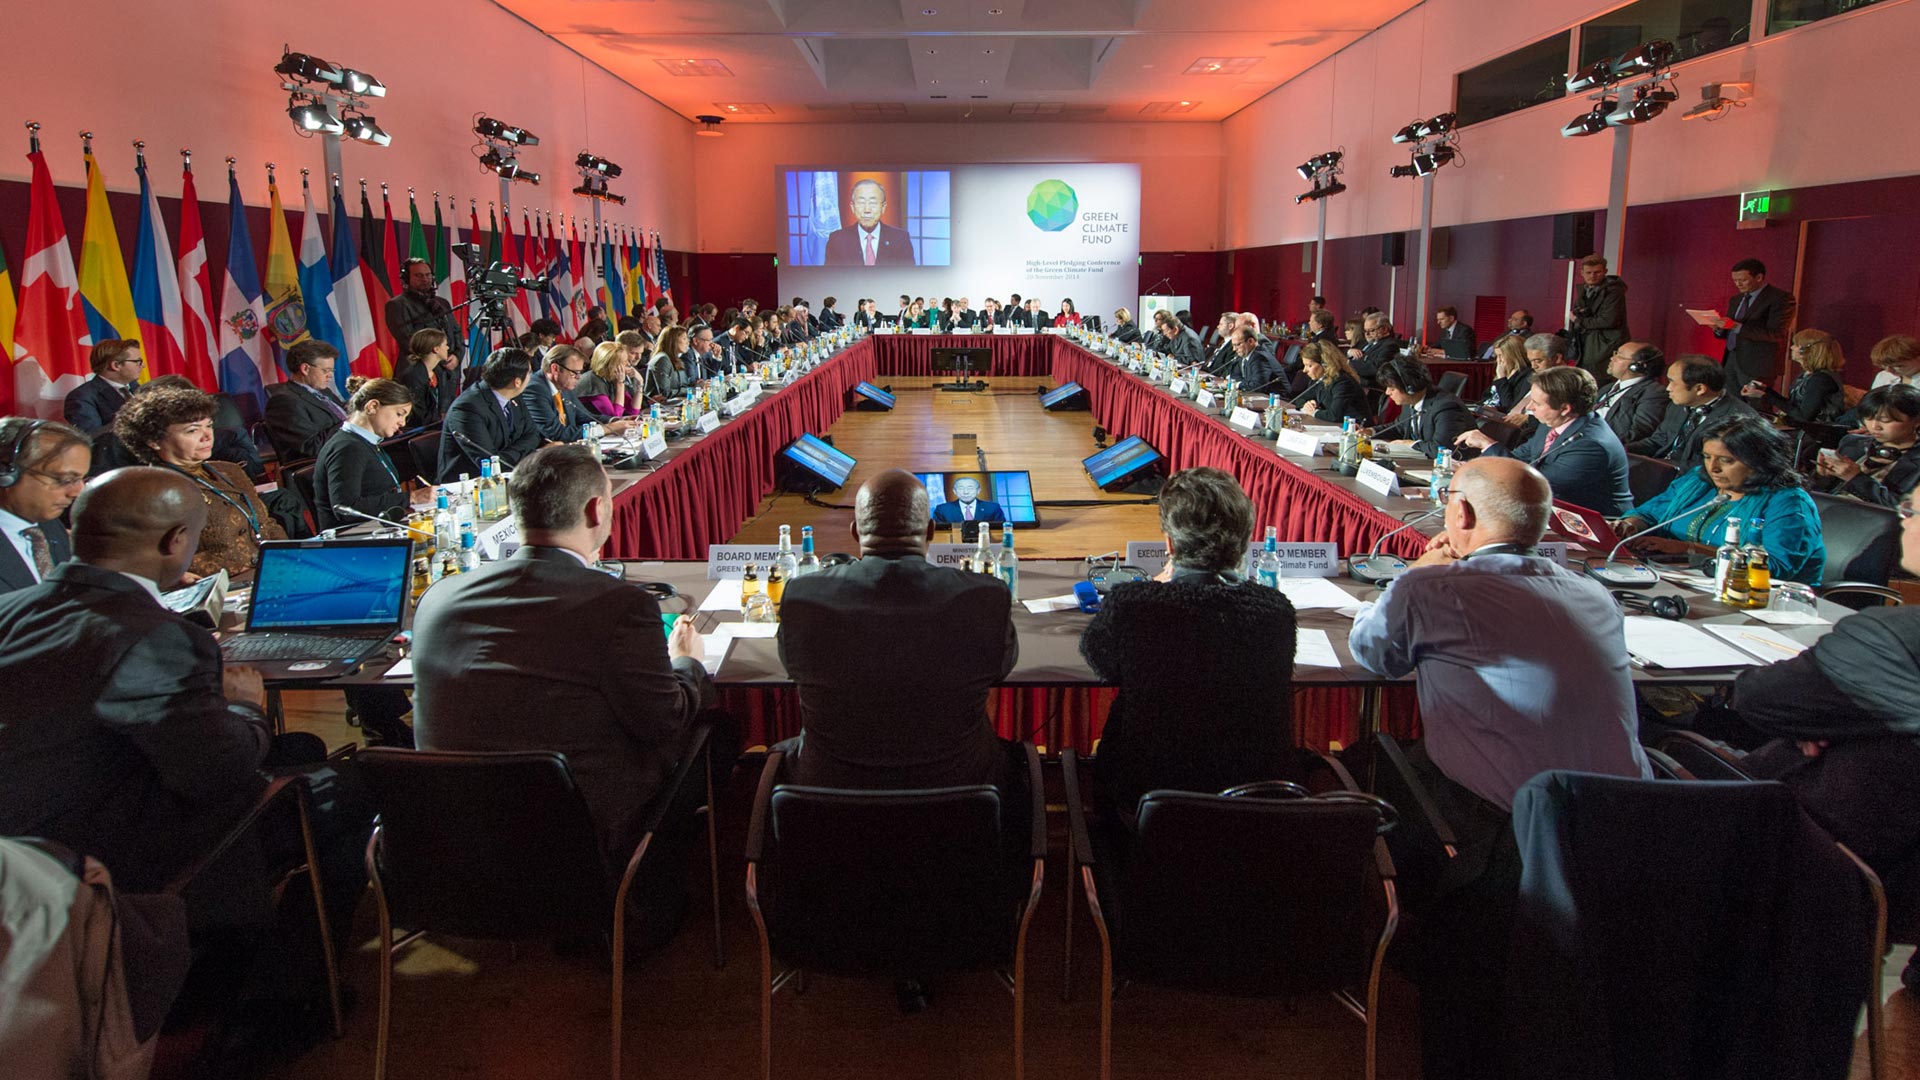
x: 906, y: 884
x: 299, y: 480
x: 1700, y: 756
x: 425, y: 450
x: 1863, y: 547
x: 1451, y: 382
x: 502, y: 846
x: 406, y: 468
x: 1263, y: 889
x: 1647, y: 476
x: 1424, y: 845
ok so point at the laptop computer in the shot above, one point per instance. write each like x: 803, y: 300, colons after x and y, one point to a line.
x: 1582, y: 526
x: 320, y: 607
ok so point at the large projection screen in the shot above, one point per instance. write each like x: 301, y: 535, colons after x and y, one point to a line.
x: 1048, y: 231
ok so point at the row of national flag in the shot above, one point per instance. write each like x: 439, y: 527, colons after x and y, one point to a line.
x: 333, y: 287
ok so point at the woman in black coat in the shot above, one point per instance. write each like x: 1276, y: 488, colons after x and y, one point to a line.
x: 428, y: 373
x: 1333, y: 394
x: 1512, y: 375
x: 1816, y: 396
x: 352, y: 470
x: 1883, y: 465
x: 1203, y: 659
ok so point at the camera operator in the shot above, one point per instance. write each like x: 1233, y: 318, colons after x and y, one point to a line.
x: 417, y: 308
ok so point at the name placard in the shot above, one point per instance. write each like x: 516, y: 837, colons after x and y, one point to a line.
x: 1023, y: 329
x: 949, y: 554
x: 755, y: 386
x: 1204, y: 399
x: 1378, y: 478
x: 1244, y: 418
x: 730, y: 560
x: 1307, y: 559
x: 1304, y: 443
x: 1178, y: 388
x: 498, y: 538
x: 1002, y: 329
x: 653, y: 446
x: 923, y: 329
x: 1555, y: 550
x: 707, y: 422
x: 740, y: 403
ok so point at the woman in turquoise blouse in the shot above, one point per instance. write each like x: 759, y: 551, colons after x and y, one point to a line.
x: 1746, y: 466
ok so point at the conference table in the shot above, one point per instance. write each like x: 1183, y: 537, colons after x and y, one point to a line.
x: 704, y: 488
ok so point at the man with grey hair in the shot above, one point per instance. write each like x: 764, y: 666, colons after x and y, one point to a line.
x: 894, y: 657
x: 1178, y: 339
x: 1544, y: 351
x: 867, y: 240
x: 1383, y: 344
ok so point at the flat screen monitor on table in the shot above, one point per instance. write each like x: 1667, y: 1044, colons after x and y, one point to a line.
x: 1120, y: 463
x: 818, y: 457
x: 999, y: 497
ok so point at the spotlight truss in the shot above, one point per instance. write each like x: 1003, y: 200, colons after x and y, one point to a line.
x: 1323, y: 171
x: 325, y: 98
x: 499, y: 149
x: 594, y: 174
x: 1435, y: 142
x: 1628, y: 89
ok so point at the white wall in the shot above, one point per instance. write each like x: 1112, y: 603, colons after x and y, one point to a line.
x: 1827, y: 108
x: 1179, y: 169
x: 199, y: 74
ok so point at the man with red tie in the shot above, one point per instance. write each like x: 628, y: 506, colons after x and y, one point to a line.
x: 869, y: 241
x: 967, y: 505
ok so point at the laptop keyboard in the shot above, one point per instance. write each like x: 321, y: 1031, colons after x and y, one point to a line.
x: 296, y: 647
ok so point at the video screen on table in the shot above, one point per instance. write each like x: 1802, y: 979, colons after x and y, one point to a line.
x: 994, y: 497
x: 820, y: 456
x: 1119, y: 460
x: 868, y: 217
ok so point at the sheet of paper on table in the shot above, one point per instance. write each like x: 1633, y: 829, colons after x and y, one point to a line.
x: 1314, y: 592
x: 401, y: 669
x: 1768, y: 645
x: 1696, y: 582
x: 1045, y: 604
x: 1313, y: 648
x: 1663, y: 643
x: 724, y: 597
x: 1788, y: 618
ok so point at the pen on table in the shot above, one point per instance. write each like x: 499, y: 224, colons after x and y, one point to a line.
x: 1769, y: 644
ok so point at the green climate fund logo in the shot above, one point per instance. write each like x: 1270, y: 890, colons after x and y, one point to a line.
x: 1052, y: 205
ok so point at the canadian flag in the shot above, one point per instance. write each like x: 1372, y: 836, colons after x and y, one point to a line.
x: 48, y: 357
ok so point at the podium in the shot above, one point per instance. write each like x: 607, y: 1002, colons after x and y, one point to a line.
x: 963, y: 363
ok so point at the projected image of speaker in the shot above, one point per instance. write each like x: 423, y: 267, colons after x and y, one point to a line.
x: 1003, y: 497
x: 810, y: 464
x: 871, y: 398
x: 1070, y: 397
x: 1130, y: 465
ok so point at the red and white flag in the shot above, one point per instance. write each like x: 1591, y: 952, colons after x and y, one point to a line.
x: 196, y: 289
x: 48, y: 357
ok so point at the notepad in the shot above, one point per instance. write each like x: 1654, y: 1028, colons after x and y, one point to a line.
x: 724, y: 597
x: 1769, y: 645
x: 401, y: 669
x: 1043, y: 605
x: 1314, y: 592
x: 1663, y: 643
x: 1313, y: 648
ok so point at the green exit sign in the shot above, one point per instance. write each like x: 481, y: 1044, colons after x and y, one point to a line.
x: 1755, y: 208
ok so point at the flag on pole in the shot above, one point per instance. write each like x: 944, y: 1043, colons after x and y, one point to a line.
x: 533, y: 264
x: 560, y: 283
x: 390, y: 253
x: 9, y: 315
x: 316, y: 287
x: 493, y: 237
x: 360, y: 348
x: 441, y: 256
x: 196, y: 285
x: 105, y: 295
x: 660, y: 269
x: 518, y: 313
x: 246, y: 367
x: 156, y: 285
x: 582, y: 274
x: 286, y: 306
x: 456, y: 282
x: 610, y: 288
x: 639, y: 273
x: 380, y: 285
x: 49, y: 350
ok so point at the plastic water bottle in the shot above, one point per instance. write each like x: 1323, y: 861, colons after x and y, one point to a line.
x: 483, y: 496
x: 985, y: 560
x: 1441, y: 482
x: 785, y: 563
x: 446, y: 528
x: 469, y: 554
x: 1266, y: 570
x: 653, y: 416
x: 809, y: 562
x: 1009, y: 562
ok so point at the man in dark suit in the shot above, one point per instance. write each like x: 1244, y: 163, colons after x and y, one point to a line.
x: 963, y: 314
x: 417, y: 308
x: 1253, y: 364
x: 967, y: 505
x: 869, y: 241
x: 1222, y: 358
x: 992, y: 314
x: 894, y: 657
x: 1635, y: 403
x: 1320, y: 325
x: 1575, y: 450
x: 1456, y: 339
x: 1696, y: 386
x: 1599, y: 315
x: 490, y: 673
x: 303, y: 412
x: 1519, y: 325
x: 48, y: 461
x: 1178, y: 340
x: 1034, y: 317
x: 865, y: 317
x: 828, y: 320
x: 736, y: 348
x: 1383, y: 344
x: 550, y: 402
x: 1429, y: 418
x: 489, y: 420
x: 1758, y: 316
x: 93, y: 404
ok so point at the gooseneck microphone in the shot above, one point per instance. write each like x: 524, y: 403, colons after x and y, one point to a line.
x: 1640, y: 575
x: 1378, y: 569
x: 351, y: 512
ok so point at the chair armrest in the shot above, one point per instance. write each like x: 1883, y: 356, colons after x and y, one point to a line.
x: 1397, y: 760
x: 692, y: 754
x: 1661, y: 760
x: 1696, y: 744
x: 1338, y: 770
x: 1078, y: 836
x: 1860, y: 588
x: 762, y: 802
x: 275, y: 791
x: 1037, y: 794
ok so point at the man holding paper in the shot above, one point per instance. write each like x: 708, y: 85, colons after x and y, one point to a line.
x: 1755, y: 329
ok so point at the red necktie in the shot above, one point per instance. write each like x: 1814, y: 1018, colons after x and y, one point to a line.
x: 869, y: 237
x: 1551, y: 436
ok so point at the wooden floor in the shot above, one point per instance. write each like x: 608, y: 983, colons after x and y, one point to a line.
x: 468, y: 1010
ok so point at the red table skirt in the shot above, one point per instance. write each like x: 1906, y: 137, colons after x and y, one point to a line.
x: 912, y: 354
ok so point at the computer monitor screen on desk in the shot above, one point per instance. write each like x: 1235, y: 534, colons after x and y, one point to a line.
x: 341, y: 583
x: 997, y: 497
x: 1119, y: 461
x: 817, y: 456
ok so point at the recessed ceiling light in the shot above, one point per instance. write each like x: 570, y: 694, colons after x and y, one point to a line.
x: 933, y: 82
x: 1186, y: 103
x: 1222, y: 65
x: 986, y: 52
x: 983, y: 82
x: 995, y: 11
x: 933, y: 52
x: 929, y: 11
x: 694, y: 68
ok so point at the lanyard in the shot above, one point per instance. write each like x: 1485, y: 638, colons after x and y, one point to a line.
x: 246, y: 511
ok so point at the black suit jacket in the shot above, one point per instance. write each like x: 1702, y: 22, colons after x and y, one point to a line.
x: 949, y: 513
x: 1338, y: 400
x: 862, y: 319
x: 894, y: 658
x: 1678, y: 438
x: 1440, y: 420
x: 1172, y: 726
x: 1638, y: 411
x: 538, y: 402
x: 1815, y: 396
x: 1185, y: 348
x: 1505, y: 393
x: 1756, y: 352
x: 1586, y: 467
x: 14, y: 571
x: 141, y: 763
x: 353, y: 472
x: 93, y: 404
x: 894, y: 249
x: 1373, y: 355
x: 1465, y: 344
x: 476, y: 414
x: 1258, y: 372
x: 430, y: 402
x: 1128, y: 333
x: 490, y: 673
x: 297, y: 423
x: 407, y: 316
x: 1036, y: 320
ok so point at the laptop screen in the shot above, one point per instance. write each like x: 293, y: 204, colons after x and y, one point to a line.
x: 315, y: 585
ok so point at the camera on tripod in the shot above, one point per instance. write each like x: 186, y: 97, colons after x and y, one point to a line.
x: 492, y: 281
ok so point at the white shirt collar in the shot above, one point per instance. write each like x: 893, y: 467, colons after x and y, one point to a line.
x: 873, y: 232
x: 362, y: 432
x: 1629, y: 381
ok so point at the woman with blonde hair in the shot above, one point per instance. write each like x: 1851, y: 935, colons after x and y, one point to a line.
x: 607, y: 387
x: 1816, y: 396
x: 1512, y: 375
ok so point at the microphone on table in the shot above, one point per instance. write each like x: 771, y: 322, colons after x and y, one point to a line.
x: 351, y: 512
x: 479, y: 451
x: 1641, y: 576
x: 1378, y: 569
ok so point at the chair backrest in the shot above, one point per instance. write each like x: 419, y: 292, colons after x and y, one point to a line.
x: 1452, y: 382
x: 486, y: 845
x: 1647, y: 477
x: 907, y: 883
x: 299, y: 479
x: 1643, y: 902
x: 425, y: 448
x: 244, y: 406
x: 1249, y: 895
x: 1863, y: 540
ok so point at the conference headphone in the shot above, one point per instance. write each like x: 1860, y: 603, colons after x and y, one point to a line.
x: 1665, y: 607
x: 1105, y: 575
x: 1648, y: 361
x: 11, y: 473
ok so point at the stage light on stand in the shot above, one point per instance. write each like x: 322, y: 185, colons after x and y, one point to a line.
x: 301, y: 67
x: 1400, y: 172
x: 586, y: 162
x: 1648, y: 102
x: 311, y: 117
x: 360, y: 126
x: 1405, y: 135
x: 1591, y: 122
x: 1320, y: 191
x: 506, y: 166
x: 361, y: 84
x: 494, y: 131
x: 1439, y: 125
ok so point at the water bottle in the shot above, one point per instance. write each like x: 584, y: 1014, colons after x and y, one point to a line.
x: 985, y: 560
x: 469, y: 554
x: 1009, y: 562
x: 785, y: 563
x: 809, y: 562
x: 1723, y: 557
x: 1441, y: 482
x: 653, y: 416
x: 1266, y: 570
x: 446, y: 528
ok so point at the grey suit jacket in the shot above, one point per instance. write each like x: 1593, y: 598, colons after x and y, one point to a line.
x: 894, y: 658
x: 14, y: 571
x: 540, y: 652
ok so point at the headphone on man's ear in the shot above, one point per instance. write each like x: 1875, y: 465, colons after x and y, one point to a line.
x: 1647, y: 361
x: 1665, y: 607
x: 14, y: 469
